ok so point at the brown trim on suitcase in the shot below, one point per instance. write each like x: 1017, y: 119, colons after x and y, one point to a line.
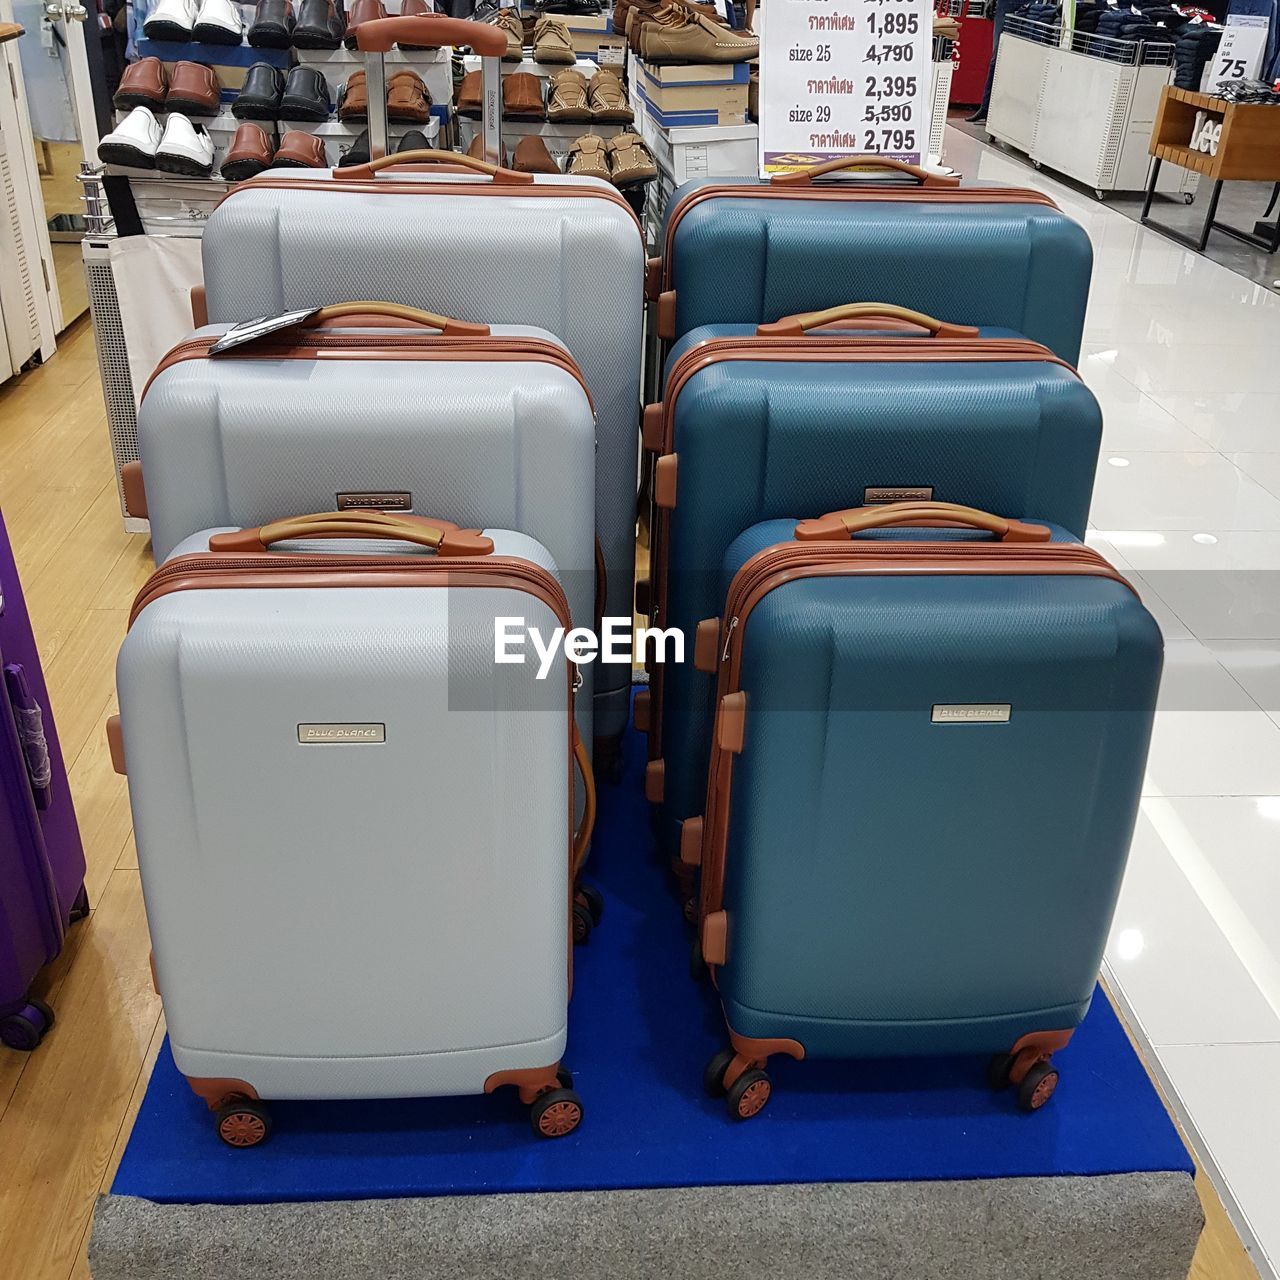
x: 1037, y: 1046
x: 218, y: 1091
x: 133, y: 488
x: 530, y: 1081
x: 115, y: 745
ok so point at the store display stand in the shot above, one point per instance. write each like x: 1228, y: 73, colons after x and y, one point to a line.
x: 1248, y: 150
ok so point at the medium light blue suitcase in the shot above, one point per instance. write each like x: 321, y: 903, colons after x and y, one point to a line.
x: 756, y: 427
x: 927, y: 766
x: 743, y: 251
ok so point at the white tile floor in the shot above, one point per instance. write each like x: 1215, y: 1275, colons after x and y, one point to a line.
x: 1184, y: 357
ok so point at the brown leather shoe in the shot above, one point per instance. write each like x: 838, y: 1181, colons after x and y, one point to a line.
x: 416, y: 9
x: 476, y: 150
x: 630, y: 162
x: 300, y: 150
x: 683, y: 36
x: 532, y: 156
x: 568, y: 96
x: 471, y: 95
x: 509, y: 21
x: 362, y: 11
x: 552, y: 42
x: 408, y: 101
x: 608, y: 97
x: 193, y: 89
x: 522, y: 97
x: 353, y: 102
x: 250, y: 152
x: 588, y: 158
x: 144, y: 84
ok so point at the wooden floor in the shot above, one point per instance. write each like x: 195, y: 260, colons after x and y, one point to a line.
x: 65, y: 1110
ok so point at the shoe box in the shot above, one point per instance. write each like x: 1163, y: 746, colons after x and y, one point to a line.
x: 594, y: 37
x: 691, y: 95
x: 433, y: 65
x: 710, y: 151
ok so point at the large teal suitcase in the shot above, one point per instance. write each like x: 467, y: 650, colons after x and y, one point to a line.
x: 754, y: 427
x: 743, y: 251
x: 927, y: 766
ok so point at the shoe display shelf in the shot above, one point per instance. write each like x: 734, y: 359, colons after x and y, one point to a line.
x: 558, y: 135
x: 435, y: 66
x: 1084, y: 107
x: 943, y: 71
x: 229, y: 62
x: 543, y: 70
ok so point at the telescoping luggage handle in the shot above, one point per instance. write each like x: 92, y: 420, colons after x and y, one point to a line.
x: 798, y: 325
x: 376, y: 38
x: 805, y: 177
x: 452, y: 159
x: 440, y: 536
x: 839, y: 526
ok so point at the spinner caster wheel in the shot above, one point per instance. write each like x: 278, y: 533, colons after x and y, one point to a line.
x: 1037, y: 1086
x: 593, y: 899
x: 998, y: 1071
x: 244, y: 1123
x: 556, y: 1113
x: 749, y: 1094
x: 80, y: 907
x: 713, y: 1077
x: 25, y: 1029
x: 583, y: 923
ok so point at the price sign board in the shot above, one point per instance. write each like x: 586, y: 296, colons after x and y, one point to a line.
x: 844, y: 77
x: 1239, y: 54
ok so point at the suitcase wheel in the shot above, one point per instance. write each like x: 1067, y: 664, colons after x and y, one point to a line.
x: 25, y: 1029
x: 749, y: 1094
x: 998, y: 1071
x: 244, y: 1123
x: 80, y: 907
x: 1037, y: 1086
x: 556, y: 1113
x: 713, y: 1077
x: 588, y: 907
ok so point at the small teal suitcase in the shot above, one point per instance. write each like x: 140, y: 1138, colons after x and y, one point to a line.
x: 758, y: 425
x: 745, y: 251
x: 927, y: 766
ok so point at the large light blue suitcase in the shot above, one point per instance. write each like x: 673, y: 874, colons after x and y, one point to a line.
x: 757, y: 427
x: 740, y: 251
x: 927, y: 766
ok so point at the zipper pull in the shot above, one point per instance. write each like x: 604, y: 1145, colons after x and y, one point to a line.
x: 728, y: 638
x: 577, y: 678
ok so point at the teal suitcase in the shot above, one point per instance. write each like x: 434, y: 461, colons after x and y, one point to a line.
x: 745, y: 251
x: 927, y: 766
x: 803, y: 416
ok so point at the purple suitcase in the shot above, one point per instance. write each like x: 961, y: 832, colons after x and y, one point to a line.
x: 41, y: 858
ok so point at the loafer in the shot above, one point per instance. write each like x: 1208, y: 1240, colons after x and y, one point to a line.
x: 509, y: 21
x: 300, y: 150
x: 171, y: 20
x: 532, y: 156
x: 416, y: 9
x: 357, y: 152
x: 522, y: 97
x: 306, y: 96
x: 353, y: 101
x: 133, y: 141
x: 568, y: 96
x: 272, y: 26
x: 185, y: 148
x: 218, y: 22
x: 259, y: 96
x: 413, y: 140
x: 144, y: 84
x: 608, y: 98
x: 630, y: 161
x: 588, y: 158
x: 250, y: 152
x: 320, y: 25
x: 691, y: 37
x: 552, y: 42
x: 408, y: 101
x: 193, y: 89
x: 582, y: 8
x: 476, y: 150
x: 471, y: 95
x: 362, y: 11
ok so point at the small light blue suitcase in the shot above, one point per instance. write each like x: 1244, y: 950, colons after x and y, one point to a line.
x: 739, y: 251
x: 928, y: 760
x: 799, y: 416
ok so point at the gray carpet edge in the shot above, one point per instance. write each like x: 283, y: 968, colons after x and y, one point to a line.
x: 1132, y: 1226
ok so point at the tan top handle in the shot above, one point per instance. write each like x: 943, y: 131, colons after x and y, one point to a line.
x: 839, y: 526
x: 391, y: 315
x: 449, y: 159
x: 381, y: 35
x: 805, y: 177
x: 442, y: 536
x: 798, y: 325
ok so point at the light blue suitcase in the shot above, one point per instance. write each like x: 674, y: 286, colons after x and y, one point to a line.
x: 743, y: 251
x: 928, y: 760
x: 756, y: 427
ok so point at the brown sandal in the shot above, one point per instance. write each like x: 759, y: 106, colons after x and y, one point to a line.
x: 608, y: 98
x: 354, y: 101
x: 630, y: 162
x: 568, y: 97
x: 588, y: 158
x: 408, y: 101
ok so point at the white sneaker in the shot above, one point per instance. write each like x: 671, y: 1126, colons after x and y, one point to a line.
x: 171, y: 20
x: 185, y: 148
x: 219, y: 22
x: 134, y: 142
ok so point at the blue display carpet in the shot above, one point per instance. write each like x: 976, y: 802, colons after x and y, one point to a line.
x: 641, y: 1033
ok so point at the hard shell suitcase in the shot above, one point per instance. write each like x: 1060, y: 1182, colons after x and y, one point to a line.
x: 465, y: 422
x: 354, y: 828
x: 41, y: 858
x: 927, y: 766
x: 798, y: 416
x: 459, y: 236
x: 743, y: 251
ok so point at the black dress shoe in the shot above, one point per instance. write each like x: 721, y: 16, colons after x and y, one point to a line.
x: 259, y: 98
x: 357, y: 152
x: 272, y: 25
x: 320, y: 25
x: 414, y: 140
x: 978, y: 117
x: 584, y: 8
x: 306, y: 96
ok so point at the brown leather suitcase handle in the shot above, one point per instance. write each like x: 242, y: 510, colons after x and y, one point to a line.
x: 837, y: 526
x: 795, y: 326
x: 379, y: 35
x: 441, y: 536
x: 805, y: 177
x: 454, y: 159
x: 376, y: 313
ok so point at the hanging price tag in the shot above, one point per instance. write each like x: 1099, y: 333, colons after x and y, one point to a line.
x: 844, y: 77
x: 1239, y: 54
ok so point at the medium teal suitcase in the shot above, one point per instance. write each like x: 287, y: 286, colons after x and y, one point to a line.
x: 754, y: 427
x: 743, y: 251
x: 927, y: 766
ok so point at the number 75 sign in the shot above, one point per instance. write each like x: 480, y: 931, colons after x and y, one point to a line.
x: 1239, y: 54
x: 843, y: 77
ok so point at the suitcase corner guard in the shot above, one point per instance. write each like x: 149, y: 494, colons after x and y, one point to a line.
x: 666, y: 320
x: 654, y: 781
x: 664, y: 481
x: 706, y: 645
x: 731, y: 724
x: 133, y: 489
x: 691, y: 842
x: 715, y: 937
x: 115, y: 744
x: 642, y: 711
x: 651, y: 426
